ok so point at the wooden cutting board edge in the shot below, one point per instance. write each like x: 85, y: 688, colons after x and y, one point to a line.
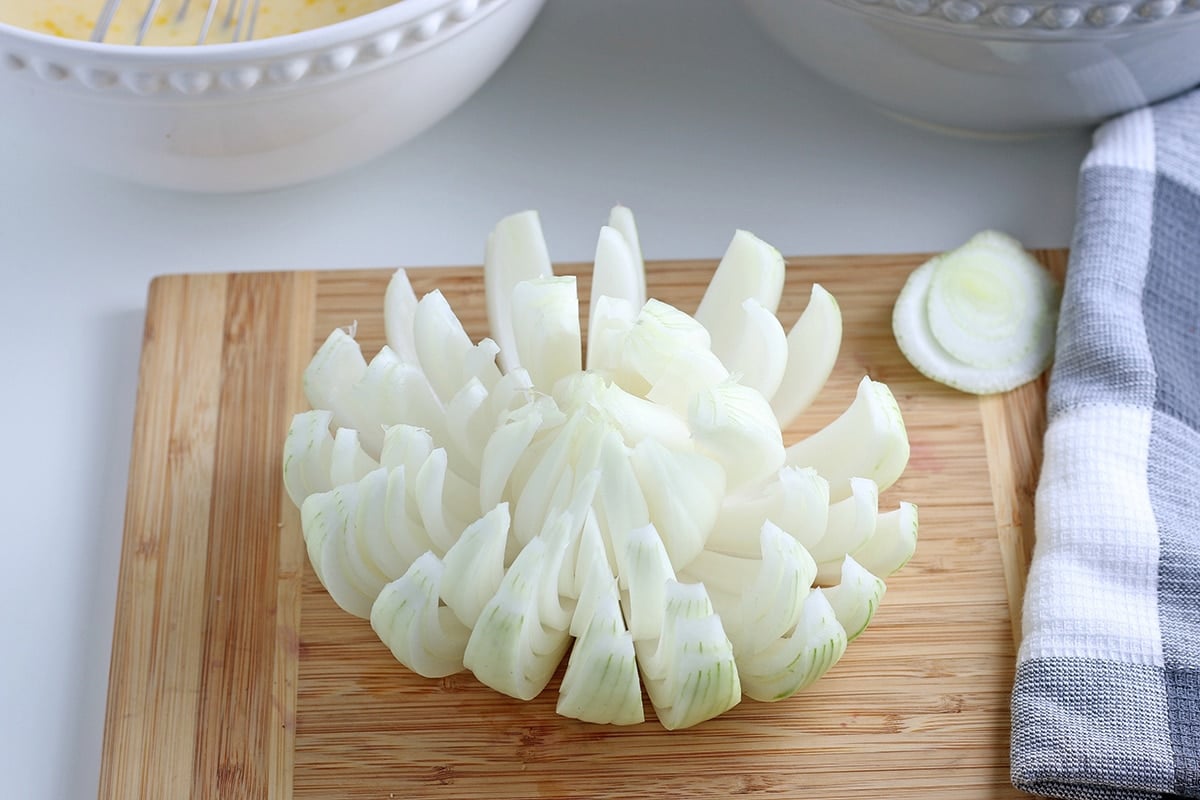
x: 140, y: 758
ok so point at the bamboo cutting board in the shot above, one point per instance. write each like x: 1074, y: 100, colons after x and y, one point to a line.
x: 233, y: 674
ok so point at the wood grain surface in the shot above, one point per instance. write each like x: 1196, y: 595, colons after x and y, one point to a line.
x: 234, y: 675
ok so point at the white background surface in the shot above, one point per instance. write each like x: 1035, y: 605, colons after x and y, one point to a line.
x: 681, y: 110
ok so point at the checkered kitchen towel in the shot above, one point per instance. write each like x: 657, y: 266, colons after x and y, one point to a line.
x: 1106, y: 702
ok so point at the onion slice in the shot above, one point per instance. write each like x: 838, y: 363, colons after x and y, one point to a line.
x: 868, y: 440
x: 799, y: 659
x: 689, y: 670
x: 812, y: 350
x: 855, y: 598
x: 892, y: 544
x: 423, y: 635
x: 516, y: 251
x: 750, y: 269
x: 601, y: 683
x: 979, y: 319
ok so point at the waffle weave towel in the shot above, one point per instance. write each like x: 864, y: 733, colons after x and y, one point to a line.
x: 1106, y: 702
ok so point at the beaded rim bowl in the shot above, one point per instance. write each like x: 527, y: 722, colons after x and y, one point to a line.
x: 994, y: 68
x: 257, y: 115
x: 391, y: 33
x: 1030, y: 17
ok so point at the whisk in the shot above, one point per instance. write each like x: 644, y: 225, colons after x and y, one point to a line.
x: 239, y: 18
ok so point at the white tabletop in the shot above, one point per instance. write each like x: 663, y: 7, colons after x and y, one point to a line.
x: 682, y: 111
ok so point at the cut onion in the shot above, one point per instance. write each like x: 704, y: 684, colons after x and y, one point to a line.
x: 483, y: 515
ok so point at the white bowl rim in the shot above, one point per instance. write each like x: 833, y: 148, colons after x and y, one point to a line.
x: 1023, y: 18
x: 403, y: 12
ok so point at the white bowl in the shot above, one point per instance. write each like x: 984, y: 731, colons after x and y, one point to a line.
x: 256, y: 115
x: 995, y: 67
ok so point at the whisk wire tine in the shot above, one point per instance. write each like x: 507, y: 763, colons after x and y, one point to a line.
x: 209, y: 13
x: 104, y: 20
x: 241, y: 20
x: 147, y: 21
x: 240, y: 17
x: 253, y: 19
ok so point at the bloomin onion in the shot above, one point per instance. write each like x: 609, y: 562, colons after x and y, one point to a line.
x: 486, y: 503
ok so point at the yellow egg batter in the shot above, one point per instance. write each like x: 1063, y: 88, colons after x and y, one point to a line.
x: 75, y: 19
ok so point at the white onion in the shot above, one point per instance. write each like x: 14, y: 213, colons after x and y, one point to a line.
x: 483, y: 516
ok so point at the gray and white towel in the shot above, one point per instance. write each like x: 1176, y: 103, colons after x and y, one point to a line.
x: 1106, y: 702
